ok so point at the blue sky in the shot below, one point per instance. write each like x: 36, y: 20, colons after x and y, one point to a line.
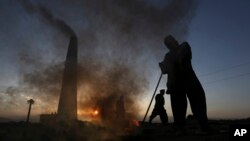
x: 220, y: 41
x: 219, y: 37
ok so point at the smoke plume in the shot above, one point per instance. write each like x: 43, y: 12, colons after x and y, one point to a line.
x: 48, y: 16
x: 120, y: 44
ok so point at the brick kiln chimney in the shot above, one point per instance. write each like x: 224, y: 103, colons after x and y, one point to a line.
x: 67, y: 107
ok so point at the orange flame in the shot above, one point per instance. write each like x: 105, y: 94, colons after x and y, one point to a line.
x: 88, y: 114
x: 95, y: 113
x: 135, y: 122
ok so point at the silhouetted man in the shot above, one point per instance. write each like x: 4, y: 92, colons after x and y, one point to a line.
x: 159, y: 108
x: 192, y: 86
x: 183, y: 82
x: 170, y: 66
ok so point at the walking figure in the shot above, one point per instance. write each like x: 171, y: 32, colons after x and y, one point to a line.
x: 159, y: 108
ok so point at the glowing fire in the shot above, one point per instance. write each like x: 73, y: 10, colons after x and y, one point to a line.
x: 133, y: 126
x: 135, y: 122
x: 88, y: 114
x: 95, y: 113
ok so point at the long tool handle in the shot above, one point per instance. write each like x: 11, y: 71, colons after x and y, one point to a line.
x: 152, y: 99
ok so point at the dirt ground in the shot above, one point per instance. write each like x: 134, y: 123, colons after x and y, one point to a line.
x: 83, y: 131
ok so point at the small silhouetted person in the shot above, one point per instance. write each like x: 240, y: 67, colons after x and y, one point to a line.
x: 159, y: 108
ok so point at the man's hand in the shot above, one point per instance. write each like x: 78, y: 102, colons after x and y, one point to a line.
x: 163, y: 68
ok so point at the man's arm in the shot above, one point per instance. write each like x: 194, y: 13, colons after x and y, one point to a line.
x: 163, y: 65
x: 185, y: 51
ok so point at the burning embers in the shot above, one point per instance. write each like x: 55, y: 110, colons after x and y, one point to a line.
x: 95, y: 112
x: 105, y: 110
x: 111, y: 115
x: 89, y: 114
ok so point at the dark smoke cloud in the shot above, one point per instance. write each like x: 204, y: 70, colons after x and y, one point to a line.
x: 139, y: 19
x: 99, y: 85
x: 102, y: 87
x: 48, y: 16
x: 130, y: 15
x: 12, y: 92
x: 119, y: 40
x: 46, y: 81
x: 132, y: 31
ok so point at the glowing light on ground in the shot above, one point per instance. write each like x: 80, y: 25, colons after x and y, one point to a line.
x: 95, y: 112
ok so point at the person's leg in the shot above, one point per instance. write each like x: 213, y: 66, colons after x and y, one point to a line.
x: 164, y: 116
x: 179, y: 107
x: 197, y: 99
x: 153, y: 115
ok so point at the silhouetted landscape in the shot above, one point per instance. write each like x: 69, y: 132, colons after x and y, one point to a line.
x: 87, y: 131
x: 86, y: 70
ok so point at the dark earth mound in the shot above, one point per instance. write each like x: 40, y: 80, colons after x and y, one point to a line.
x: 85, y: 131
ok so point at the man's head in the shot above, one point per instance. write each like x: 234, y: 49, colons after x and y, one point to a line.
x: 170, y: 42
x: 162, y: 91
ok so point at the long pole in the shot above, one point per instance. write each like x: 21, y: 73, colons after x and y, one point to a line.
x: 28, y: 116
x: 152, y: 98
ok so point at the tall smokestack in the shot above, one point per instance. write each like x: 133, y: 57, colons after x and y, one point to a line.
x: 67, y: 108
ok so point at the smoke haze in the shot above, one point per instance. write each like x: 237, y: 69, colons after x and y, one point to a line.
x: 118, y: 42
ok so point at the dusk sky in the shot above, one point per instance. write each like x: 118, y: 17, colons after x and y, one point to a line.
x: 32, y: 49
